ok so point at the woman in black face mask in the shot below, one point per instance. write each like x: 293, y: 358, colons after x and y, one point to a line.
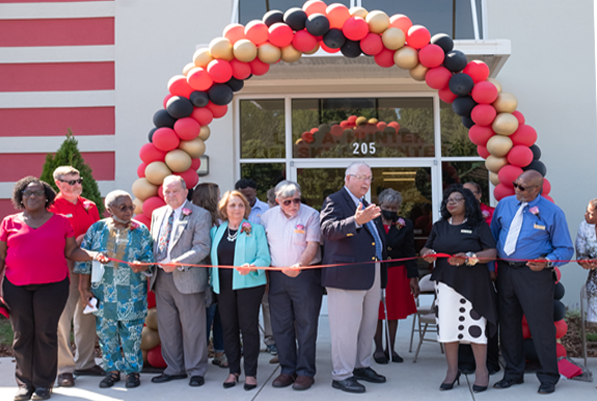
x: 403, y: 277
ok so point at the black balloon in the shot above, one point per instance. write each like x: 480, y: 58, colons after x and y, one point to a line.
x: 455, y: 61
x: 179, y: 107
x: 530, y: 352
x: 467, y: 122
x: 538, y: 166
x: 317, y: 24
x: 272, y: 17
x: 559, y: 310
x: 161, y: 119
x: 235, y: 84
x: 559, y: 291
x: 444, y: 41
x: 199, y: 99
x: 220, y: 94
x: 536, y: 152
x: 334, y: 39
x: 461, y: 84
x: 295, y: 18
x: 150, y: 135
x: 351, y: 49
x: 463, y: 105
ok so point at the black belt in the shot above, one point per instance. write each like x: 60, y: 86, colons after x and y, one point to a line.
x: 513, y: 264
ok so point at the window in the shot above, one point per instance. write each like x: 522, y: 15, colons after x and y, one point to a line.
x: 262, y: 129
x: 266, y: 175
x: 455, y: 141
x: 249, y: 10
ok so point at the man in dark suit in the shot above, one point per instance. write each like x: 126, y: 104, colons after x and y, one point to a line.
x: 352, y: 230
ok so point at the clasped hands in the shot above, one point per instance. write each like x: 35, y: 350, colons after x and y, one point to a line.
x: 457, y: 259
x: 245, y: 269
x: 364, y: 216
x: 588, y: 264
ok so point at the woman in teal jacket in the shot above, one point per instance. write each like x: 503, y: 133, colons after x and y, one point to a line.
x: 236, y: 242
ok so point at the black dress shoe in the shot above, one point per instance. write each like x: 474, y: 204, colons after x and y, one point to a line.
x: 381, y: 358
x: 24, y: 394
x: 133, y: 380
x: 196, y: 381
x: 369, y: 375
x: 42, y: 394
x: 163, y: 378
x: 350, y: 385
x: 66, y: 380
x: 546, y: 388
x: 505, y: 383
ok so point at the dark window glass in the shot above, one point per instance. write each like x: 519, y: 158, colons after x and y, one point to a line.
x: 255, y: 9
x: 318, y: 183
x: 463, y: 172
x: 266, y: 175
x: 455, y: 141
x: 262, y: 129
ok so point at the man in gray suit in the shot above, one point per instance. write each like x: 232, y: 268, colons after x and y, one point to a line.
x: 180, y: 231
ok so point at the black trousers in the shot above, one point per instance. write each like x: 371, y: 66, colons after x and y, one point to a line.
x: 34, y: 314
x: 294, y: 309
x: 523, y: 291
x: 239, y: 312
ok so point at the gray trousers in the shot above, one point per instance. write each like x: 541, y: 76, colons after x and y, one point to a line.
x: 182, y: 327
x: 353, y: 321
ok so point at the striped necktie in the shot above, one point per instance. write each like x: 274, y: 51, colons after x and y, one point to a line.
x: 164, y: 239
x: 371, y: 226
x: 514, y: 231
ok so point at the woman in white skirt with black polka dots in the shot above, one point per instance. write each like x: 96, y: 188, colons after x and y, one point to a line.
x: 465, y: 305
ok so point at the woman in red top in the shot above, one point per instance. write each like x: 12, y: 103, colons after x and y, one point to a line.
x: 34, y: 245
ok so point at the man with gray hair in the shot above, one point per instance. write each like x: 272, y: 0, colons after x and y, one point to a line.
x: 293, y: 236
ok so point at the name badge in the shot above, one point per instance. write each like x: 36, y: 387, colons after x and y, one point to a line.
x: 463, y: 231
x: 299, y: 231
x: 68, y: 215
x: 539, y: 227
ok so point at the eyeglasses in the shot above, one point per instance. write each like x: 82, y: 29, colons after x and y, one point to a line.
x: 124, y: 208
x: 521, y: 188
x: 454, y: 200
x: 73, y: 182
x: 27, y: 194
x: 287, y: 202
x: 362, y: 177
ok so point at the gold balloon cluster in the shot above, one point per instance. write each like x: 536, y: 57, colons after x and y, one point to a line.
x: 150, y: 337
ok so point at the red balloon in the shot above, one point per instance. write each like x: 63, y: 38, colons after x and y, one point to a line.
x: 385, y: 58
x: 257, y: 32
x: 161, y: 191
x: 155, y: 358
x: 558, y: 274
x: 165, y: 103
x: 240, y: 70
x: 150, y: 298
x: 561, y: 328
x: 431, y: 56
x: 524, y: 135
x: 141, y: 170
x: 345, y: 124
x: 328, y: 49
x: 484, y: 92
x: 152, y: 204
x: 372, y: 44
x: 483, y: 114
x: 337, y: 130
x: 234, y: 33
x: 519, y: 116
x: 438, y: 77
x: 501, y: 191
x: 508, y: 174
x: 203, y: 116
x: 195, y: 164
x: 446, y: 95
x: 303, y: 41
x: 258, y: 67
x: 219, y: 70
x: 401, y: 22
x: 549, y: 198
x: 218, y: 111
x: 314, y: 7
x: 307, y: 137
x: 199, y: 79
x: 479, y: 135
x: 165, y: 139
x: 280, y: 34
x: 146, y: 221
x: 381, y: 126
x: 314, y: 130
x: 337, y: 14
x: 394, y: 125
x: 149, y: 153
x: 187, y: 128
x: 560, y: 350
x: 352, y: 119
x: 178, y: 86
x: 546, y: 187
x: 482, y: 151
x: 519, y: 155
x: 355, y: 28
x: 417, y: 36
x: 190, y: 177
x: 477, y: 70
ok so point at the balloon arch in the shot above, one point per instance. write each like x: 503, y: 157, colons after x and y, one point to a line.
x: 208, y: 83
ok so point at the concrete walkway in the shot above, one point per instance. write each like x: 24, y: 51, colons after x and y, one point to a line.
x: 408, y: 380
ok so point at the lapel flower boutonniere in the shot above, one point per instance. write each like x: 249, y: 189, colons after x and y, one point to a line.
x: 400, y: 223
x: 300, y: 227
x: 133, y: 225
x: 246, y: 228
x: 186, y: 211
x: 87, y: 205
x: 485, y: 214
x: 534, y: 210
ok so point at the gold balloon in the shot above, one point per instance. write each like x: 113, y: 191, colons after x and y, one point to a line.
x: 505, y: 124
x: 493, y: 177
x: 138, y: 203
x: 269, y: 53
x: 204, y: 133
x: 494, y: 164
x: 187, y: 68
x: 505, y: 103
x: 358, y: 12
x: 195, y: 147
x: 361, y: 121
x: 143, y: 189
x: 499, y: 145
x: 299, y: 141
x: 393, y: 38
x: 155, y: 172
x: 290, y: 54
x: 245, y: 50
x: 221, y: 48
x: 418, y: 73
x: 149, y: 339
x: 496, y: 83
x: 202, y: 57
x: 406, y: 58
x: 373, y: 121
x: 151, y: 320
x: 378, y: 21
x: 178, y: 160
x: 314, y: 50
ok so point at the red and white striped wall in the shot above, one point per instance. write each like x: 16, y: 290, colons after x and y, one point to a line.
x: 56, y: 73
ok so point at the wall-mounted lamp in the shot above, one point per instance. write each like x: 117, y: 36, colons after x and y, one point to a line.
x: 204, y: 167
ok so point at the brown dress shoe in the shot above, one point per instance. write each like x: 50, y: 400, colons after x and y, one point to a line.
x: 303, y: 383
x: 66, y: 380
x: 284, y: 380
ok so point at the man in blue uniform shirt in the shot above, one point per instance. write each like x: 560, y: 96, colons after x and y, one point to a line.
x: 529, y: 227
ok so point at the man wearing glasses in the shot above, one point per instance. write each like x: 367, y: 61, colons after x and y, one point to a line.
x: 294, y: 293
x: 81, y: 213
x: 353, y: 241
x: 529, y: 227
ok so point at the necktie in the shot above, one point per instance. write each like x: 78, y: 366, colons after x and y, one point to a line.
x: 514, y: 231
x: 164, y: 239
x: 371, y: 226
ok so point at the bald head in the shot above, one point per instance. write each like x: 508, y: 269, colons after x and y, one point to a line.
x: 528, y: 185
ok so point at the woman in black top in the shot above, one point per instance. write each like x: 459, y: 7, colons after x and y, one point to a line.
x: 465, y: 304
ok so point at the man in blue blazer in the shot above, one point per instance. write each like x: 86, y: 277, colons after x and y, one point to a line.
x: 353, y: 235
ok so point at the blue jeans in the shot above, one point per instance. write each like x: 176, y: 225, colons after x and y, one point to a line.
x: 213, y: 316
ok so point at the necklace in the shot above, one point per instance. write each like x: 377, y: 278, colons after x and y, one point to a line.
x: 450, y: 221
x: 232, y: 237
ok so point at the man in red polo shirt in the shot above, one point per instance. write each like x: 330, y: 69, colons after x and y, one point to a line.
x: 81, y: 213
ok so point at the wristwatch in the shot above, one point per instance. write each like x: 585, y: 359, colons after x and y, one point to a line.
x: 472, y: 259
x: 549, y: 263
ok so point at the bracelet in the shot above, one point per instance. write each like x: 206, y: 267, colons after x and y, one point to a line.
x: 471, y: 259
